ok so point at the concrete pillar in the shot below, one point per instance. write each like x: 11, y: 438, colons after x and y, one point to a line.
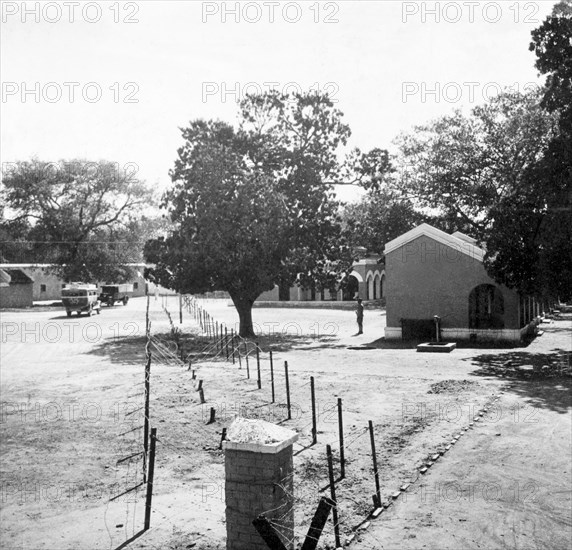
x: 259, y: 480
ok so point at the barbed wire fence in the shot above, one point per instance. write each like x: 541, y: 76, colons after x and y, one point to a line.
x: 261, y: 366
x: 136, y: 442
x: 323, y: 473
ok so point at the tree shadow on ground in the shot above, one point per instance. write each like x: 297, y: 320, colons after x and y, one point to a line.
x: 127, y: 350
x: 130, y: 350
x: 287, y: 342
x: 197, y: 345
x: 545, y: 379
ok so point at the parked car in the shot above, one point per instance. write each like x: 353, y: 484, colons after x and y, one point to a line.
x: 110, y: 294
x: 81, y: 298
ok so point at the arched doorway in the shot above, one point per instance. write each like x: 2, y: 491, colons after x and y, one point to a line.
x: 349, y: 287
x: 376, y: 287
x: 486, y: 307
x: 369, y: 287
x: 382, y: 287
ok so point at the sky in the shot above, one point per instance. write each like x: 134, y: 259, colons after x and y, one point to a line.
x: 116, y: 80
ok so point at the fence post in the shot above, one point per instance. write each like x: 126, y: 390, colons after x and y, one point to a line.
x: 272, y: 376
x: 318, y: 523
x: 226, y: 340
x: 180, y: 308
x: 341, y: 430
x: 258, y: 365
x: 287, y: 390
x: 149, y: 495
x: 246, y: 355
x: 314, y: 423
x: 222, y: 437
x: 375, y: 472
x: 268, y: 533
x: 147, y: 391
x: 146, y: 411
x: 232, y: 344
x: 333, y: 495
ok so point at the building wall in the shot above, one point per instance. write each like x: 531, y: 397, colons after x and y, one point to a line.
x: 426, y: 278
x: 48, y: 286
x: 16, y: 295
x: 269, y: 295
x: 360, y: 270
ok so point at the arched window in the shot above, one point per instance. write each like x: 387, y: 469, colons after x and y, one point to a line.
x: 369, y: 285
x: 382, y: 287
x: 486, y: 307
x: 376, y: 287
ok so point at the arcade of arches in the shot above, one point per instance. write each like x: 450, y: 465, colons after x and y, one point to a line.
x: 375, y: 284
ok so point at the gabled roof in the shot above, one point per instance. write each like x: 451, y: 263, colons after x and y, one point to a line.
x: 4, y: 278
x: 17, y: 276
x: 462, y: 244
x: 464, y: 237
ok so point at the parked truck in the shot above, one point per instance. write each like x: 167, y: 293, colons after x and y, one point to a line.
x: 111, y: 294
x: 81, y: 298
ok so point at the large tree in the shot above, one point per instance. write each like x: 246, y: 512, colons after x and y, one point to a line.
x: 552, y: 44
x: 82, y: 217
x: 379, y: 217
x: 530, y: 243
x: 254, y: 206
x: 503, y: 175
x: 461, y: 166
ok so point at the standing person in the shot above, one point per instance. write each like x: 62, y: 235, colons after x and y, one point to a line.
x: 359, y: 315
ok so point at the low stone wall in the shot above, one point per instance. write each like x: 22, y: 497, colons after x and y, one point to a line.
x: 370, y: 304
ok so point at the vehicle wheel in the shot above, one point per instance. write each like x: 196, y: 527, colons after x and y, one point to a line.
x: 68, y: 313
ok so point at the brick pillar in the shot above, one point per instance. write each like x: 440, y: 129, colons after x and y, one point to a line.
x: 259, y: 471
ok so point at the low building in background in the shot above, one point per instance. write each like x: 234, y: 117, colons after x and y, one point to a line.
x: 47, y: 286
x: 366, y: 281
x: 16, y: 288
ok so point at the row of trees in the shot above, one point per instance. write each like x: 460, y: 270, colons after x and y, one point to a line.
x: 254, y: 205
x: 88, y: 219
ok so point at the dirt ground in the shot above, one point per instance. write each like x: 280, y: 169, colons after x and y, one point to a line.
x: 71, y: 392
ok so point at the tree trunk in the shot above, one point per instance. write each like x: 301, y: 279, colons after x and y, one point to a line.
x: 244, y: 308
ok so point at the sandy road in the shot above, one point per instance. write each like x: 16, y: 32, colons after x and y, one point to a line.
x: 507, y: 484
x: 66, y: 396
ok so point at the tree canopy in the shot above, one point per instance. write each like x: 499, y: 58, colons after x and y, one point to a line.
x: 461, y: 166
x: 530, y: 242
x: 530, y: 246
x: 378, y: 218
x: 254, y: 206
x: 82, y: 217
